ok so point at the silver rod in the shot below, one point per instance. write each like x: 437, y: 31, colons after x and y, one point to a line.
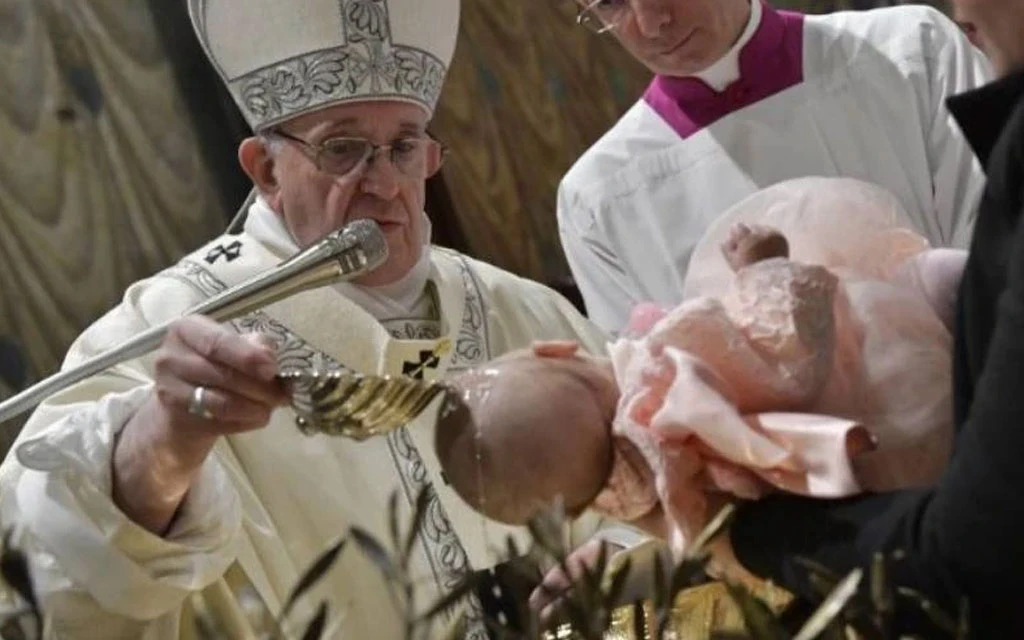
x: 333, y: 259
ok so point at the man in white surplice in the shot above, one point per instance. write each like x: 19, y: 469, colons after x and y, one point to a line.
x: 745, y: 96
x: 183, y: 472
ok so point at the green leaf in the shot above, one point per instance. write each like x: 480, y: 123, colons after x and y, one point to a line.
x: 393, y: 519
x: 640, y: 621
x: 313, y: 575
x: 205, y: 628
x: 818, y: 569
x: 14, y: 613
x: 546, y: 531
x: 558, y: 596
x: 15, y: 571
x: 592, y: 577
x: 821, y: 586
x: 832, y: 607
x: 522, y: 570
x: 757, y: 617
x: 511, y: 548
x: 688, y: 573
x: 715, y: 528
x: 822, y: 579
x: 12, y: 629
x: 457, y: 629
x: 660, y: 586
x: 419, y: 514
x: 662, y: 600
x: 315, y: 629
x: 376, y: 553
x: 450, y: 599
x: 881, y: 590
x: 205, y: 625
x: 601, y: 562
x: 578, y: 617
x: 933, y: 611
x: 617, y: 582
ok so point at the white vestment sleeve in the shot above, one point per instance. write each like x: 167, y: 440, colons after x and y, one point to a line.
x: 608, y: 291
x: 80, y: 544
x: 96, y: 572
x: 953, y: 66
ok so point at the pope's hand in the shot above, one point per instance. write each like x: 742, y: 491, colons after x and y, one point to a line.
x: 545, y: 598
x: 209, y: 381
x: 234, y: 376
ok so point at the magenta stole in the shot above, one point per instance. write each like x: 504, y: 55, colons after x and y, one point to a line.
x: 770, y: 62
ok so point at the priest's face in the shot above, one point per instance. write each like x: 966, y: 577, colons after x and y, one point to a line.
x: 310, y: 188
x: 677, y: 37
x: 995, y: 26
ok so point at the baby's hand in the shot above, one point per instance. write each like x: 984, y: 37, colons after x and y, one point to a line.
x: 642, y: 319
x: 747, y: 245
x: 554, y: 587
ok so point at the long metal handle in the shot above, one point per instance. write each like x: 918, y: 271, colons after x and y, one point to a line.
x: 247, y: 297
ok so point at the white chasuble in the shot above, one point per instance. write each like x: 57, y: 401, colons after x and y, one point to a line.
x: 269, y: 502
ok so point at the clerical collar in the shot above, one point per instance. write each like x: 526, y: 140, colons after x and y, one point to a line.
x: 727, y: 70
x: 407, y: 298
x: 770, y: 61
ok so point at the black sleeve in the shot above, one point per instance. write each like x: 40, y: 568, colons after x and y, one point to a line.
x: 962, y: 538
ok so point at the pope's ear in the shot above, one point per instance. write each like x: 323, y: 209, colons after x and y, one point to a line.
x: 555, y: 348
x: 257, y: 160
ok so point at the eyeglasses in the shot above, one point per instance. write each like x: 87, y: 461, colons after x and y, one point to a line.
x: 601, y: 16
x: 341, y: 155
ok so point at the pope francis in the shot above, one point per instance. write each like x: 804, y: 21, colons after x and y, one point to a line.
x: 180, y: 478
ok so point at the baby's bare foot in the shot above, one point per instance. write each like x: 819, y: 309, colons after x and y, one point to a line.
x: 749, y: 244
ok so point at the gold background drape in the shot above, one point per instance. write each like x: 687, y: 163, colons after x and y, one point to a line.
x: 100, y: 174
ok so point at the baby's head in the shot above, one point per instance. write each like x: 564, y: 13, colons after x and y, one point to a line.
x: 527, y: 428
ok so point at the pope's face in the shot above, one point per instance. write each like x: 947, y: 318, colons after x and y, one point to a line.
x: 679, y: 37
x: 996, y: 27
x: 314, y: 203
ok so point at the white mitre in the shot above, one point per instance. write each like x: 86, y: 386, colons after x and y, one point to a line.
x: 284, y: 58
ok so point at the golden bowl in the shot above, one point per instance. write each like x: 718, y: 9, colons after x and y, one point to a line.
x: 354, y: 405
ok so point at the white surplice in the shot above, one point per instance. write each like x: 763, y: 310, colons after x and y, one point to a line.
x: 268, y: 502
x: 850, y: 94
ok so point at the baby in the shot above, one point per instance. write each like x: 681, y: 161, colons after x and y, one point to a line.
x: 825, y: 381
